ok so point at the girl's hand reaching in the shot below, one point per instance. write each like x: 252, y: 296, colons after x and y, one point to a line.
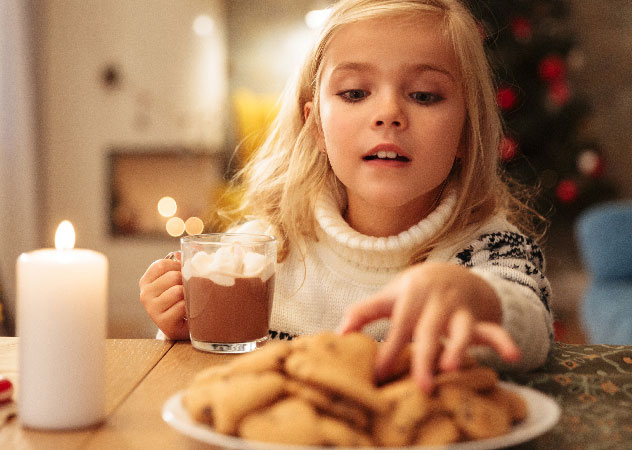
x: 444, y: 309
x: 162, y: 295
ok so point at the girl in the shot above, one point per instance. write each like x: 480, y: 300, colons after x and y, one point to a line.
x: 380, y: 180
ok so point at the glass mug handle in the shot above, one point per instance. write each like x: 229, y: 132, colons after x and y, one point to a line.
x: 175, y: 256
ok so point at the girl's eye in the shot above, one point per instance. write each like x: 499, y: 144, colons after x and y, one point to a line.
x: 353, y: 95
x: 425, y: 97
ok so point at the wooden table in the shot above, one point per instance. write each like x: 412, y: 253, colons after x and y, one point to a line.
x: 141, y: 374
x: 593, y: 384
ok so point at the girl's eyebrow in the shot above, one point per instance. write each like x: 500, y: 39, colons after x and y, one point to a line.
x: 351, y: 66
x: 420, y: 68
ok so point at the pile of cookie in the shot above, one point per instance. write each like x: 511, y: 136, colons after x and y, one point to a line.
x: 320, y: 390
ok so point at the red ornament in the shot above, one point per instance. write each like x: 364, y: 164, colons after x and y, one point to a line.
x: 6, y: 390
x: 567, y: 191
x: 521, y: 29
x: 559, y: 92
x: 506, y: 98
x: 552, y: 68
x: 508, y: 148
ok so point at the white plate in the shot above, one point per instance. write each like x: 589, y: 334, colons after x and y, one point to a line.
x: 543, y: 414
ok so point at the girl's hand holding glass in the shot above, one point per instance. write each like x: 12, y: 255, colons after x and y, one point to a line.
x: 444, y: 309
x: 162, y: 295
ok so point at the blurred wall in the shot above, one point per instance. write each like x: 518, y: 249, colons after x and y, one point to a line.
x: 19, y: 194
x: 124, y: 74
x: 268, y: 39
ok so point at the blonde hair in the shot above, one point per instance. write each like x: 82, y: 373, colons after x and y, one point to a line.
x: 282, y: 181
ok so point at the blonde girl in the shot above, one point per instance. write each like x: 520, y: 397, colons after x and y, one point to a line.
x: 380, y: 179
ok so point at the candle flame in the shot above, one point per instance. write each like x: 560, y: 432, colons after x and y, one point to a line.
x: 65, y: 236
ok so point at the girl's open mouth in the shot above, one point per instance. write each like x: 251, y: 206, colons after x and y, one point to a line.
x: 386, y: 152
x: 386, y: 156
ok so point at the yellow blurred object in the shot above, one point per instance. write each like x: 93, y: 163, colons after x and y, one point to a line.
x: 255, y: 113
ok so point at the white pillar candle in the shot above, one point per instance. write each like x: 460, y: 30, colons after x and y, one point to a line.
x: 62, y: 315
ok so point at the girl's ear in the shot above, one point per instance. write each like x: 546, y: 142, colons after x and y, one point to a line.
x: 307, y: 109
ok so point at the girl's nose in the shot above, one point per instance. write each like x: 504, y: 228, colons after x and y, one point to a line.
x: 395, y: 123
x: 389, y: 114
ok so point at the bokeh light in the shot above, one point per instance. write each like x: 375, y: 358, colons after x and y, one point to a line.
x: 175, y: 226
x: 194, y: 225
x: 167, y: 206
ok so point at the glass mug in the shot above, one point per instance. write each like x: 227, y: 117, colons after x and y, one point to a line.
x: 228, y: 283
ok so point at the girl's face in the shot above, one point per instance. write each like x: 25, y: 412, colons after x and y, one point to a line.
x: 392, y: 112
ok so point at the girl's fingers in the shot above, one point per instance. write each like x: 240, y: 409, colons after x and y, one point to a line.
x: 169, y: 298
x: 496, y: 337
x: 364, y: 312
x: 427, y: 343
x: 151, y: 292
x: 405, y: 315
x: 460, y: 330
x: 157, y: 269
x: 174, y: 323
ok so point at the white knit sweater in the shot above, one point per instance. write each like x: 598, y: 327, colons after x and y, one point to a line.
x: 344, y: 266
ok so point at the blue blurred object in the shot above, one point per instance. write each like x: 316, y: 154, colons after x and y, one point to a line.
x: 604, y: 235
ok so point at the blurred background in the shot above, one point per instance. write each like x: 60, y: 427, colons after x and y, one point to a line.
x: 124, y: 118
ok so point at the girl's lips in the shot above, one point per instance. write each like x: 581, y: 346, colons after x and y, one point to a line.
x: 386, y: 153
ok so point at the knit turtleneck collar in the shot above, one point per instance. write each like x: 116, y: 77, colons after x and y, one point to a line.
x: 387, y: 254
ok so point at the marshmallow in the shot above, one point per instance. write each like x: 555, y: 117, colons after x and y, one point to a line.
x: 226, y: 264
x: 253, y: 264
x: 201, y: 264
x: 226, y: 260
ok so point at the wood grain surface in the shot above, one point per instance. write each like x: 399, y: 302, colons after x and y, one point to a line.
x: 127, y: 363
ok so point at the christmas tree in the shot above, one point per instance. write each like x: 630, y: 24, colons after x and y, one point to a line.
x: 534, y: 55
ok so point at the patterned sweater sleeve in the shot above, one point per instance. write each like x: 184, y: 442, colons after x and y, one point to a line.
x: 513, y: 265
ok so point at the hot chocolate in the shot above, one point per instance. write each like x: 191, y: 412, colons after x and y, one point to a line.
x: 228, y: 288
x: 229, y: 314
